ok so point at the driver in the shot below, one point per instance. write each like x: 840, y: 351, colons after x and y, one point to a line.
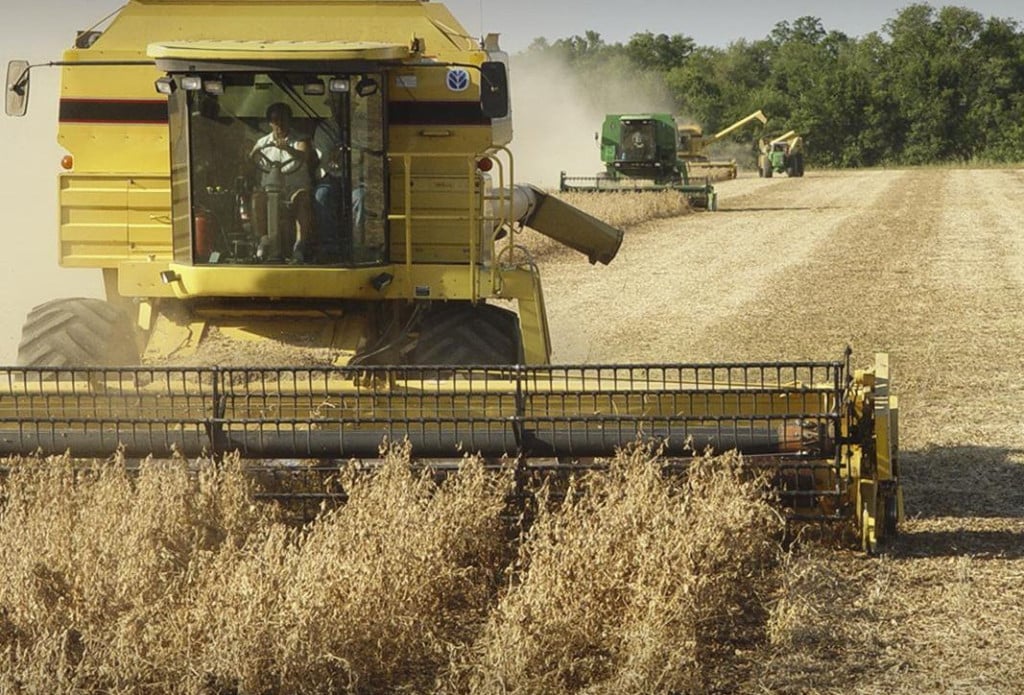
x: 284, y: 158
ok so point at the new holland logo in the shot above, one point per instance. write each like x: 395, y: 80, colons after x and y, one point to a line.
x: 458, y: 80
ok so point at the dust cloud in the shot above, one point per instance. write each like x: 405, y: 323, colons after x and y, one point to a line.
x: 745, y: 154
x: 29, y: 270
x: 556, y: 113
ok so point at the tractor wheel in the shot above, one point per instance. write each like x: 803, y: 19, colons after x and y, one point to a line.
x: 463, y: 334
x: 768, y: 170
x: 799, y: 165
x: 77, y: 333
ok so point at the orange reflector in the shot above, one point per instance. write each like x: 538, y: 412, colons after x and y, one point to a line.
x: 485, y: 164
x: 67, y: 161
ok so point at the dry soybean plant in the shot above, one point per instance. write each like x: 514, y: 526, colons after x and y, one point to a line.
x: 640, y: 584
x: 96, y: 567
x: 168, y: 581
x: 628, y: 209
x: 622, y: 210
x: 371, y: 597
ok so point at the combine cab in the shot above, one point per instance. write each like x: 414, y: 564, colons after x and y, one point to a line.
x: 308, y: 240
x: 640, y: 153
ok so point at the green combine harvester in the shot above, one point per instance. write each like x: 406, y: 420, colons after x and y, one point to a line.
x: 641, y: 153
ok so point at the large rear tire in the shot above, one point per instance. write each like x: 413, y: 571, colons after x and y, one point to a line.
x: 458, y: 333
x: 77, y: 332
x: 796, y: 168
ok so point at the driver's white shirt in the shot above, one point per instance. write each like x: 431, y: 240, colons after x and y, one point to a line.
x: 296, y: 173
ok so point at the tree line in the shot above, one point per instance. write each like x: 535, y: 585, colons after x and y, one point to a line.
x: 932, y: 86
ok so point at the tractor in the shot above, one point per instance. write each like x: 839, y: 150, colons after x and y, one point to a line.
x: 782, y: 154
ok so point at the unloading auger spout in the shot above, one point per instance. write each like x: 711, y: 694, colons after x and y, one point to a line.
x: 566, y: 224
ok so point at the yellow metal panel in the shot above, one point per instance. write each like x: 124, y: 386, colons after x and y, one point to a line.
x: 105, y: 219
x: 150, y: 192
x: 89, y: 254
x: 525, y: 287
x: 117, y: 147
x: 434, y: 192
x: 142, y: 23
x: 149, y: 217
x: 97, y: 234
x: 142, y: 279
x: 429, y: 244
x: 445, y: 212
x: 278, y: 281
x: 279, y: 50
x: 424, y: 139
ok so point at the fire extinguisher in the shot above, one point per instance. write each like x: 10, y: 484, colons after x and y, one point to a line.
x: 205, y: 233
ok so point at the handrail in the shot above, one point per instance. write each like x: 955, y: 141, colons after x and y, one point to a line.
x: 475, y: 207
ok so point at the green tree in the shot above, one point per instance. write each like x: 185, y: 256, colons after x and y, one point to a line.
x: 933, y: 85
x: 659, y: 52
x: 930, y: 70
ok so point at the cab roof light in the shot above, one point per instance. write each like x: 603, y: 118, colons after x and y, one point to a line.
x: 314, y: 88
x: 166, y: 85
x: 214, y: 87
x: 338, y: 85
x: 191, y: 83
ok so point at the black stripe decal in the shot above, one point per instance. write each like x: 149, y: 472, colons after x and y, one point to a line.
x: 436, y: 113
x: 113, y: 111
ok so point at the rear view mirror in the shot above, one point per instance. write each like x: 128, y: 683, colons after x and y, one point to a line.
x: 16, y: 103
x: 494, y: 89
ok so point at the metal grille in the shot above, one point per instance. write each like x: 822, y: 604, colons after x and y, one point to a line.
x: 771, y: 409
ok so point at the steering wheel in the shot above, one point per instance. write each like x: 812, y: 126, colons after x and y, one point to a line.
x: 287, y: 164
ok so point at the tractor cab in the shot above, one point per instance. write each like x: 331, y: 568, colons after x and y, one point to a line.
x: 277, y: 166
x: 777, y: 155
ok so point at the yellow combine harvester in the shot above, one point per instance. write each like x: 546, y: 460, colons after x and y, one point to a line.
x: 331, y: 178
x: 693, y: 146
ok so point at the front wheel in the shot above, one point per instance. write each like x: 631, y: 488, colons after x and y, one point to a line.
x: 459, y: 333
x: 77, y: 332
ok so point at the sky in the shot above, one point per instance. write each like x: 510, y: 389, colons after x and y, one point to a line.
x: 42, y: 27
x: 38, y: 30
x: 708, y: 23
